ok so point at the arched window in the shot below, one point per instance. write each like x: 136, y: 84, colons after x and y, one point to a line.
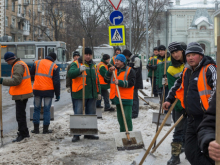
x: 203, y: 28
x: 203, y: 46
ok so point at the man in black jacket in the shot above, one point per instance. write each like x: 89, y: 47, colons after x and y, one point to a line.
x: 188, y: 90
x: 206, y: 134
x: 135, y: 62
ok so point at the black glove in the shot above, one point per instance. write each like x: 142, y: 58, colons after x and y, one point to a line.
x: 153, y: 67
x: 184, y: 113
x: 148, y: 67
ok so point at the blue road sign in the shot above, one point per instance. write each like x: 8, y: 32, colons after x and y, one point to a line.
x: 117, y: 35
x: 116, y: 17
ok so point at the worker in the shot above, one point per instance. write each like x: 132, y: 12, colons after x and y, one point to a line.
x: 135, y: 63
x: 117, y: 51
x: 46, y: 83
x: 178, y: 60
x: 20, y: 89
x: 160, y: 77
x: 102, y: 68
x: 92, y: 87
x: 194, y: 89
x: 125, y: 79
x: 76, y: 55
x: 152, y: 66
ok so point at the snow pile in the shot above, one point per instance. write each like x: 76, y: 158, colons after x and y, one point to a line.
x: 200, y: 19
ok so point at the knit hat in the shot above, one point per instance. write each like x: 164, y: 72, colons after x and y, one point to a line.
x: 174, y: 46
x: 117, y: 48
x: 53, y: 55
x: 155, y: 48
x: 9, y: 56
x: 76, y: 53
x: 121, y: 57
x: 194, y: 47
x: 161, y: 47
x: 88, y: 51
x: 126, y: 52
x: 106, y: 57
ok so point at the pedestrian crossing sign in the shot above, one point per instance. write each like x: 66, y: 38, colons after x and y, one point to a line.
x: 117, y: 35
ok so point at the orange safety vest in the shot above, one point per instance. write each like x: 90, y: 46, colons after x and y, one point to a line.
x: 126, y: 93
x: 101, y: 78
x: 43, y: 75
x: 113, y: 58
x: 203, y: 88
x: 25, y: 86
x: 77, y: 83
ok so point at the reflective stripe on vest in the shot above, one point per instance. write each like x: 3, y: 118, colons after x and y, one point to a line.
x: 101, y: 78
x: 25, y: 86
x: 126, y: 93
x: 43, y: 75
x: 77, y: 83
x: 203, y: 88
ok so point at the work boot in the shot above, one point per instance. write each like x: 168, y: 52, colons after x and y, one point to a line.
x: 99, y: 106
x: 176, y: 150
x: 46, y: 130
x: 20, y: 137
x: 91, y: 137
x: 110, y: 109
x: 36, y: 129
x: 75, y: 138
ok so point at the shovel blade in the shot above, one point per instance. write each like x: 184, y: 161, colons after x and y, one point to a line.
x: 122, y: 143
x: 150, y: 159
x: 152, y: 99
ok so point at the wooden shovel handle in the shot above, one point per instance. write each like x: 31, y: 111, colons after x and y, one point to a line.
x: 122, y: 109
x: 168, y: 132
x: 144, y: 100
x: 83, y: 74
x: 158, y: 132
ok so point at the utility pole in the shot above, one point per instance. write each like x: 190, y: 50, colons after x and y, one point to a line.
x: 4, y: 17
x: 147, y: 35
x: 130, y: 25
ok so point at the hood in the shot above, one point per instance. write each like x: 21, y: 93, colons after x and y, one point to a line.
x: 177, y: 63
x: 205, y: 61
x: 49, y: 58
x: 81, y: 61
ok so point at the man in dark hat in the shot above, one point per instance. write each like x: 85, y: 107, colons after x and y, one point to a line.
x: 117, y: 51
x: 135, y: 63
x: 102, y: 68
x: 92, y: 87
x: 46, y: 83
x: 194, y: 88
x: 20, y: 89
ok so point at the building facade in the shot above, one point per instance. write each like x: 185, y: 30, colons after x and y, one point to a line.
x: 187, y: 21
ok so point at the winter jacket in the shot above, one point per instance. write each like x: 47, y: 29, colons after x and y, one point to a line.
x: 160, y: 69
x: 90, y: 88
x: 56, y: 82
x: 68, y: 80
x: 131, y: 82
x: 103, y: 71
x: 192, y: 102
x: 136, y: 64
x: 152, y: 65
x: 16, y: 79
x: 112, y: 61
x: 173, y: 74
x: 206, y: 129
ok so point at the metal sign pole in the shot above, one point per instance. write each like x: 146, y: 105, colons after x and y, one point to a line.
x: 147, y: 35
x: 130, y: 25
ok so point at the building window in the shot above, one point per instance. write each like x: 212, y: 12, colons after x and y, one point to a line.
x: 24, y: 11
x: 13, y: 22
x: 203, y: 46
x: 6, y: 21
x: 203, y: 28
x: 19, y: 9
x: 158, y: 25
x: 61, y: 25
x: 13, y: 6
x: 30, y: 13
x: 25, y: 38
x: 12, y: 38
x: 158, y: 43
x: 6, y: 4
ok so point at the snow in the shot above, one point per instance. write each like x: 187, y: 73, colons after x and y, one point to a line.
x: 57, y: 148
x: 200, y: 19
x: 194, y: 4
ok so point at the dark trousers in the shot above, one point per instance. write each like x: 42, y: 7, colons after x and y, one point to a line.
x: 105, y: 95
x: 21, y: 117
x: 154, y: 87
x: 135, y: 107
x: 180, y: 130
x: 192, y: 150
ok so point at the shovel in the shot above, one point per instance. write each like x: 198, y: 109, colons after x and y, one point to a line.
x: 129, y: 140
x: 217, y: 129
x: 141, y: 160
x: 81, y: 124
x: 146, y: 103
x: 1, y: 103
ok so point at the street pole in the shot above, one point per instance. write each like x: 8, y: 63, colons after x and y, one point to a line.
x: 130, y: 25
x: 147, y: 35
